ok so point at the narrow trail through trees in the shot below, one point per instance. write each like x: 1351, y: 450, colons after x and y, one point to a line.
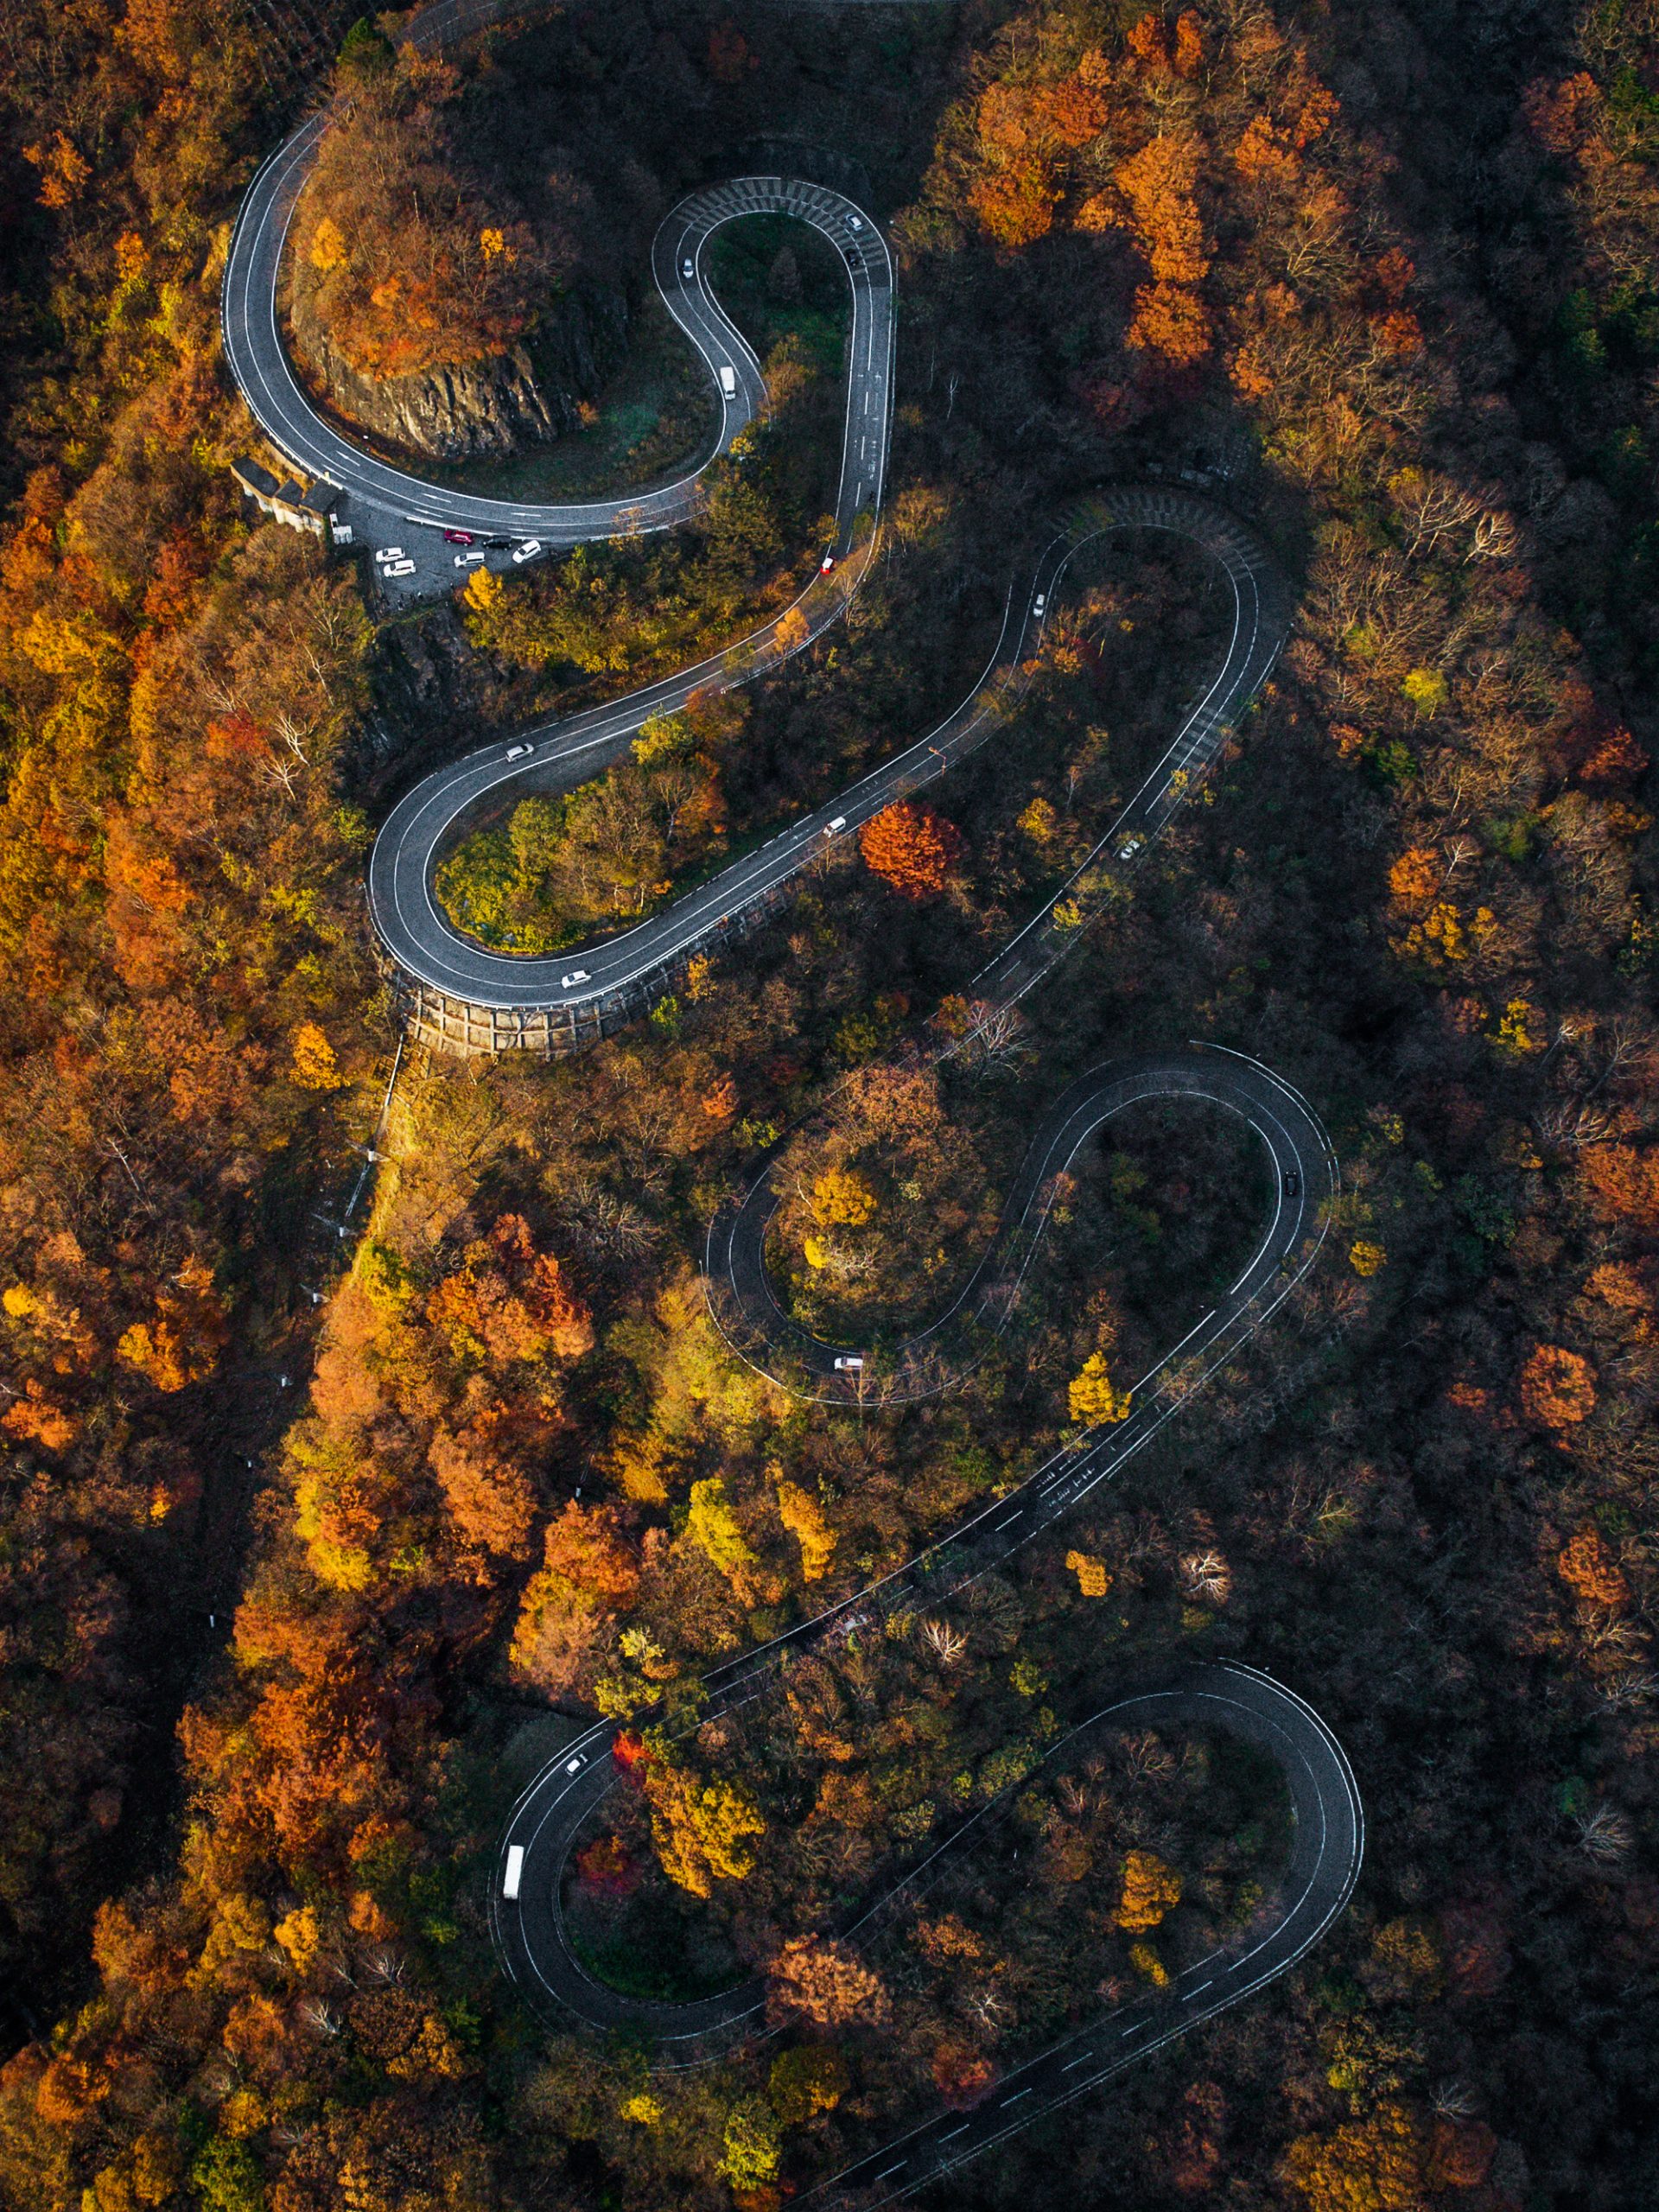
x: 555, y: 1005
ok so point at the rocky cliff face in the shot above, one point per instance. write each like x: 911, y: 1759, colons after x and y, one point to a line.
x: 477, y: 409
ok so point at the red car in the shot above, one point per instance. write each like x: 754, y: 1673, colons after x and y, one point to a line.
x: 457, y: 537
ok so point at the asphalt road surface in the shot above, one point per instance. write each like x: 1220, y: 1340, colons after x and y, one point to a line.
x: 1328, y: 1825
x: 428, y: 947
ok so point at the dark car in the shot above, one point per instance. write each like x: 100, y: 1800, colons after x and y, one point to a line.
x: 1293, y: 1183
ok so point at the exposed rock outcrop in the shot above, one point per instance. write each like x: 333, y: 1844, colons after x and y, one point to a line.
x: 477, y: 409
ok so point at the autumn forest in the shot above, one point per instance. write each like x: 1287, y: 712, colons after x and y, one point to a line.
x: 374, y: 1428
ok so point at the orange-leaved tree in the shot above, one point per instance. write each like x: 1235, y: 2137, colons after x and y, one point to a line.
x: 1588, y: 1568
x: 825, y: 1982
x: 1558, y: 1387
x: 911, y: 847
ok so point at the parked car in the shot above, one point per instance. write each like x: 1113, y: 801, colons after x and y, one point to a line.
x: 457, y: 537
x: 467, y: 560
x: 528, y: 550
x: 390, y: 553
x: 400, y: 567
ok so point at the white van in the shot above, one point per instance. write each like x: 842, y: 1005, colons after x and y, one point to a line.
x: 400, y: 567
x: 729, y: 380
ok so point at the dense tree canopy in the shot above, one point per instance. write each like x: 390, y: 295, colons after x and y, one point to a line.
x: 483, y: 1470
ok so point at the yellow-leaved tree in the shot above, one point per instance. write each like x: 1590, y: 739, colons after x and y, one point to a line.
x: 700, y: 1829
x: 842, y: 1199
x: 1150, y: 1889
x: 1094, y: 1397
x: 713, y: 1528
x: 804, y: 1517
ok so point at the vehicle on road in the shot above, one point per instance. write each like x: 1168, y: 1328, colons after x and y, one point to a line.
x: 1129, y: 848
x: 389, y: 553
x: 576, y: 975
x: 457, y: 537
x: 849, y: 1364
x: 830, y: 828
x: 854, y: 259
x: 826, y: 564
x: 1293, y: 1183
x: 728, y: 381
x: 520, y: 751
x: 1040, y: 604
x: 467, y: 560
x: 400, y: 568
x: 528, y: 550
x: 688, y: 268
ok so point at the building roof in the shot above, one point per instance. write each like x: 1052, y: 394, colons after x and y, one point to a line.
x: 259, y: 481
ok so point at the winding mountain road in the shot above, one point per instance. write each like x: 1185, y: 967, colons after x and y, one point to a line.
x: 1328, y: 1830
x: 259, y: 361
x: 1328, y: 1820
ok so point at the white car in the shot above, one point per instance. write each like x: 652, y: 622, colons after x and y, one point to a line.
x: 520, y: 751
x: 688, y: 268
x: 528, y: 550
x: 728, y: 381
x: 830, y: 829
x: 856, y: 222
x: 390, y: 553
x: 852, y: 1364
x: 577, y: 976
x: 1040, y: 604
x: 400, y: 567
x: 826, y: 564
x: 1129, y: 848
x: 467, y: 560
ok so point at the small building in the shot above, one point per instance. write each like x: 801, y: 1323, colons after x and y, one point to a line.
x: 329, y: 504
x: 289, y: 503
